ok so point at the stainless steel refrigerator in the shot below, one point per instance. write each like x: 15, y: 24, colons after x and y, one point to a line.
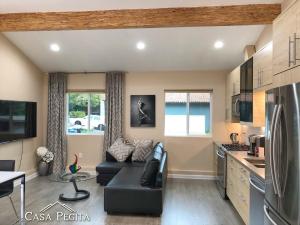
x: 282, y: 156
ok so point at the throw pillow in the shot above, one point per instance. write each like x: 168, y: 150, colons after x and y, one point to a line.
x: 142, y: 149
x: 150, y: 170
x: 120, y: 150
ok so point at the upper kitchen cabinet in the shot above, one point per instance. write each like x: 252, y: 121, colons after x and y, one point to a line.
x: 262, y: 67
x: 286, y: 43
x: 232, y: 89
x: 236, y: 81
x: 246, y: 92
x: 252, y: 102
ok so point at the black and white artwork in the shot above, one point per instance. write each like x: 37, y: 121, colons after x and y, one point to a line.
x: 142, y: 110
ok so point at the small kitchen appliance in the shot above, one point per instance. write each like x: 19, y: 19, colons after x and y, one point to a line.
x: 234, y: 138
x: 255, y: 141
x: 252, y: 144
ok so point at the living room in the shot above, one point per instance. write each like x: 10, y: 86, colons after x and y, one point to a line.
x: 128, y: 116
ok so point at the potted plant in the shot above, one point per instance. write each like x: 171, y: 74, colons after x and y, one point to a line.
x: 46, y: 157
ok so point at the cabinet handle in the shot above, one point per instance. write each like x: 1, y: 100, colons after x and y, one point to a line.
x: 268, y: 216
x: 294, y: 42
x: 258, y: 77
x: 261, y: 76
x: 295, y: 48
x: 290, y: 43
x: 233, y: 89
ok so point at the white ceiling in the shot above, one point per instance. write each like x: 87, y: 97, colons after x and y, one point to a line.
x: 167, y: 49
x: 7, y: 6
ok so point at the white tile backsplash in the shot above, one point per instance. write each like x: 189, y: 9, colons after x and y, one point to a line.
x: 248, y: 130
x: 244, y: 131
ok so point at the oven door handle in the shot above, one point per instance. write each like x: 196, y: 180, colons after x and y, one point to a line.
x: 221, y: 156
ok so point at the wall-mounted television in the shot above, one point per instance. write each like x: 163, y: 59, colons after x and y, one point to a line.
x: 17, y: 120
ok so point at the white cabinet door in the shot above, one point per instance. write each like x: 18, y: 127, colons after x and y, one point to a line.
x: 266, y: 65
x: 236, y: 81
x: 256, y: 70
x: 284, y: 28
x: 262, y: 67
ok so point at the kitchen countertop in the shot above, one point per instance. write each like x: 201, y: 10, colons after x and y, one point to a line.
x: 240, y: 157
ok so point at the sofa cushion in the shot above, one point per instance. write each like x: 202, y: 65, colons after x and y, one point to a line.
x: 142, y: 149
x: 120, y: 150
x: 124, y: 194
x: 110, y: 158
x: 128, y: 177
x: 148, y: 177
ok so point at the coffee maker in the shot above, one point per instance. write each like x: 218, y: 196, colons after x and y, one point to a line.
x: 255, y: 141
x: 252, y: 144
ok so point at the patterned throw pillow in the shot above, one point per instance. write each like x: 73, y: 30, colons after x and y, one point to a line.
x: 120, y: 150
x: 142, y: 149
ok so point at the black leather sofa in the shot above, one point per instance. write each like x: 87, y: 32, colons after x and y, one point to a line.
x: 124, y: 193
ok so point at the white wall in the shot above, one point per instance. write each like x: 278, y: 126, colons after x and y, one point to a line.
x: 190, y: 155
x: 21, y: 80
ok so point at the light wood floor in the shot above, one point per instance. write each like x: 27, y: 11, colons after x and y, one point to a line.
x: 187, y: 202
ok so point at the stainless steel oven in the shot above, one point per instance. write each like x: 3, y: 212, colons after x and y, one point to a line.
x: 221, y: 171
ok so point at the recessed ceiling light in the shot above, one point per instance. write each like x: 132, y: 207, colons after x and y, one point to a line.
x: 54, y: 47
x: 140, y: 45
x: 219, y: 44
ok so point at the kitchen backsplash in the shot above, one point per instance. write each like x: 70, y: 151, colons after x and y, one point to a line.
x: 244, y: 131
x: 248, y: 130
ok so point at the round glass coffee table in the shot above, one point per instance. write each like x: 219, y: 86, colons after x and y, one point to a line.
x: 78, y: 194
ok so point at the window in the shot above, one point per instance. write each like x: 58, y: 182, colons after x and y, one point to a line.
x: 187, y: 113
x: 85, y: 113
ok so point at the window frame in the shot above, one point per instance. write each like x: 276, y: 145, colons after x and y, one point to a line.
x: 188, y: 92
x: 89, y: 92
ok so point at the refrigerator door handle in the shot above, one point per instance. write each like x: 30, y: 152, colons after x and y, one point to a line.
x: 272, y: 150
x: 268, y: 216
x: 275, y: 149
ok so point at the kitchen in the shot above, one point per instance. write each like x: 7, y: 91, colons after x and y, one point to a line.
x: 258, y: 170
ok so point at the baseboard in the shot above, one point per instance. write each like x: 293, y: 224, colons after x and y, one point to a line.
x: 191, y: 177
x: 27, y: 178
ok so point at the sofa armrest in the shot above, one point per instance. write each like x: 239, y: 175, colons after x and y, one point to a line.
x: 162, y: 175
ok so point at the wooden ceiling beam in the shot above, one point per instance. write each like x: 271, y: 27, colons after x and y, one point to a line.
x: 141, y: 18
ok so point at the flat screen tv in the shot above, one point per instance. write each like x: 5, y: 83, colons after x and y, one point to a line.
x: 17, y: 120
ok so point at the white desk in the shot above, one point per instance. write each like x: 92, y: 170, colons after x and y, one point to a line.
x: 12, y: 176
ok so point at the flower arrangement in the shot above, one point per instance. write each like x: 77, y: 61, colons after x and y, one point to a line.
x: 45, y: 154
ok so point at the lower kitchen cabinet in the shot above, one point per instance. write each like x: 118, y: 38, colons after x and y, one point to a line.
x: 238, y: 187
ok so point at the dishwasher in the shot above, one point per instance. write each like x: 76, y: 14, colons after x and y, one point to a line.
x: 257, y: 195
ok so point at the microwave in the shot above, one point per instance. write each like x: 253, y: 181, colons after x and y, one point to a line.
x: 235, y: 108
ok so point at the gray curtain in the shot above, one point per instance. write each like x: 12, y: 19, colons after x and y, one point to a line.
x: 114, y: 108
x: 56, y: 132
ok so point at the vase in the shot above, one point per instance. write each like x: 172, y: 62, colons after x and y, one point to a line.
x: 43, y: 168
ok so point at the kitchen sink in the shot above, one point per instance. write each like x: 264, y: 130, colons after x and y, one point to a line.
x: 259, y: 163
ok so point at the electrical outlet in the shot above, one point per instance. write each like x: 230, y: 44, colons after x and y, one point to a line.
x: 80, y: 155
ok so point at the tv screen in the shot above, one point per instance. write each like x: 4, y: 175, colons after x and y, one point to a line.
x: 17, y: 120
